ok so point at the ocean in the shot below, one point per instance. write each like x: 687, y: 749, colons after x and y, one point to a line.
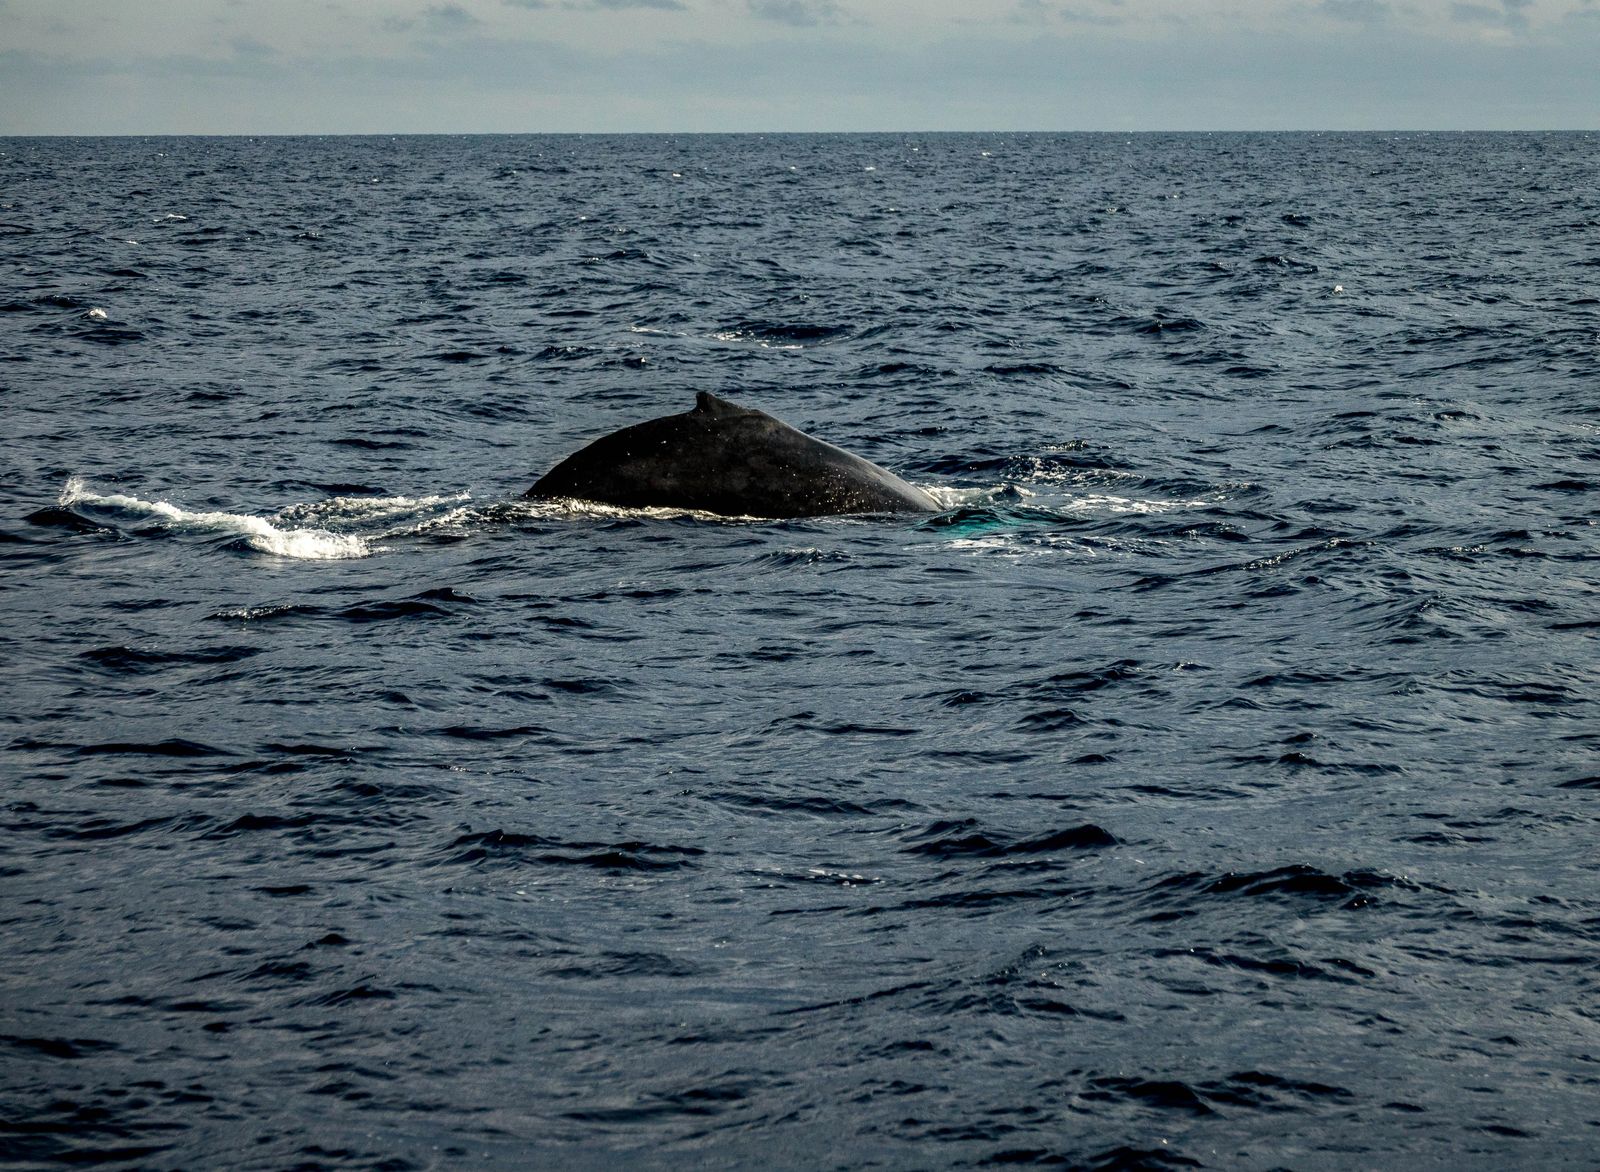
x: 1213, y: 783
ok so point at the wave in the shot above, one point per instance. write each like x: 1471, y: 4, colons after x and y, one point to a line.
x: 259, y: 532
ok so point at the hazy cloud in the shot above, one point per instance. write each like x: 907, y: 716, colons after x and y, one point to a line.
x: 797, y: 13
x: 1512, y: 14
x: 1032, y: 12
x: 1356, y: 11
x: 392, y: 66
x: 1040, y: 12
x: 246, y: 46
x: 450, y: 18
x: 598, y: 5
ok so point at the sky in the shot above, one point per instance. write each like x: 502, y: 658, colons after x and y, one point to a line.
x: 516, y: 66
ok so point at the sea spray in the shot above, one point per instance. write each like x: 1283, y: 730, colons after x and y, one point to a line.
x: 259, y: 532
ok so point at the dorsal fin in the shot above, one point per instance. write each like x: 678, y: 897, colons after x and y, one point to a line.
x: 710, y: 405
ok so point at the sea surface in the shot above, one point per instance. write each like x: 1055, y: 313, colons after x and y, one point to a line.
x: 1214, y: 783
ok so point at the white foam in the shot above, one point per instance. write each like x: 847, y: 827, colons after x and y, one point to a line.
x: 1019, y: 546
x: 572, y: 509
x: 762, y: 343
x: 1107, y: 503
x: 455, y: 520
x: 260, y: 533
x: 948, y: 497
x: 366, y: 508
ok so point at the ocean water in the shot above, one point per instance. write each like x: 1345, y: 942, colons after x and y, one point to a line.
x: 1215, y: 783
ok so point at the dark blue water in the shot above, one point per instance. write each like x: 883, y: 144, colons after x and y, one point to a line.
x: 1216, y: 783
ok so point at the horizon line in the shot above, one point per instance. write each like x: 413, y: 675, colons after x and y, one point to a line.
x: 776, y: 133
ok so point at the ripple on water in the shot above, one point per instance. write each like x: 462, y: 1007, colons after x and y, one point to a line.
x: 1209, y: 784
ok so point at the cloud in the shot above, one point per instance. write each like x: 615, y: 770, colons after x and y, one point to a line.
x: 1510, y: 15
x: 246, y: 46
x: 1356, y: 11
x: 594, y: 5
x: 450, y: 18
x: 797, y: 13
x: 307, y: 66
x: 1040, y: 12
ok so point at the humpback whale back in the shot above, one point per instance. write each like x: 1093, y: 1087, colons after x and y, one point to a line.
x: 732, y: 460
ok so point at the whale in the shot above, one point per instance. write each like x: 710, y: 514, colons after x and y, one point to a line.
x: 730, y: 460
